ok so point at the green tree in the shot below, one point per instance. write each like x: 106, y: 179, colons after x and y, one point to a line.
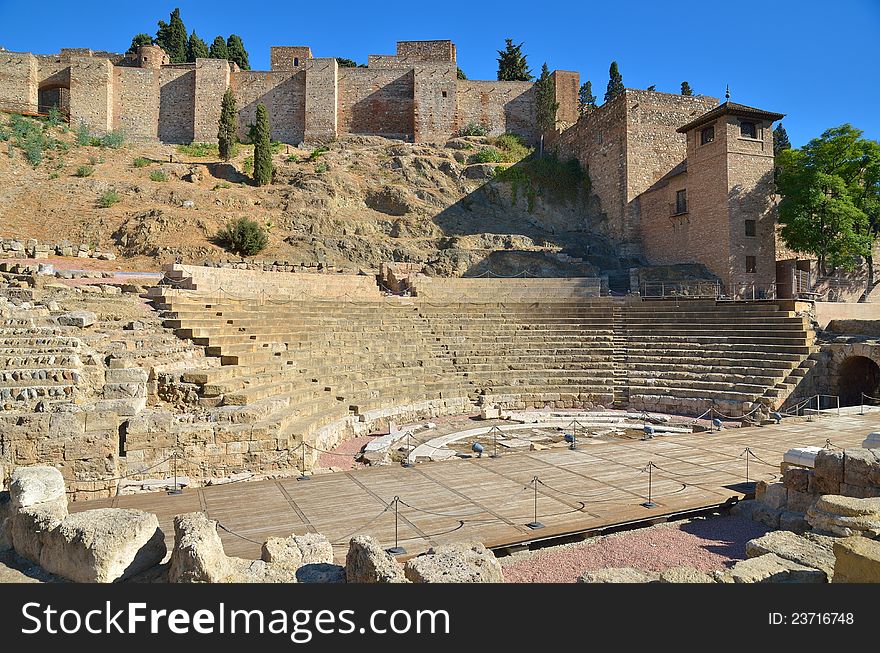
x: 228, y: 125
x: 780, y: 140
x: 512, y: 65
x: 615, y: 83
x: 244, y: 237
x: 545, y: 104
x: 686, y: 89
x: 218, y: 49
x: 342, y: 62
x: 586, y: 99
x: 262, y: 148
x: 459, y: 73
x: 138, y: 41
x: 196, y: 48
x: 172, y: 37
x: 830, y: 205
x: 236, y: 52
x: 652, y: 88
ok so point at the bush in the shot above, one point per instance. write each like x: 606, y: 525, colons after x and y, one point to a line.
x: 141, y: 162
x: 199, y: 149
x: 222, y: 184
x: 318, y: 151
x: 512, y: 148
x: 488, y: 155
x: 55, y: 118
x: 474, y: 129
x: 276, y: 146
x: 95, y: 160
x: 108, y: 199
x: 248, y: 165
x: 54, y: 175
x: 244, y: 237
x: 158, y: 175
x: 547, y: 176
x: 84, y: 171
x: 114, y: 140
x: 293, y: 158
x: 82, y: 134
x: 321, y: 168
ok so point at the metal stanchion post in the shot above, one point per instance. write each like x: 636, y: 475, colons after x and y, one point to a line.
x: 409, y: 450
x: 396, y: 549
x: 534, y: 525
x: 176, y: 489
x: 650, y: 502
x: 494, y: 431
x: 302, y: 464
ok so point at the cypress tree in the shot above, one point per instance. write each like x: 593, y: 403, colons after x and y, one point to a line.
x: 586, y: 99
x: 218, y: 49
x: 686, y: 89
x: 615, y: 83
x: 228, y: 125
x: 512, y: 65
x: 138, y: 41
x: 262, y: 148
x: 459, y: 74
x: 172, y: 37
x: 780, y: 140
x: 196, y: 48
x: 236, y: 52
x: 342, y: 62
x: 545, y: 104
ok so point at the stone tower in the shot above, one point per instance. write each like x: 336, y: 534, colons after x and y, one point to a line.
x: 152, y: 56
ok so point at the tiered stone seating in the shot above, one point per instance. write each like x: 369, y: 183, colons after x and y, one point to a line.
x: 521, y: 355
x: 689, y: 355
x: 494, y: 290
x: 36, y: 364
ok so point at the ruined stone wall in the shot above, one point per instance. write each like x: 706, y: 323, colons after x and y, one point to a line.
x: 322, y: 92
x: 91, y: 93
x: 211, y: 82
x: 177, y: 103
x: 136, y: 102
x: 500, y: 106
x: 750, y: 191
x: 289, y: 57
x: 18, y: 80
x: 376, y: 102
x: 283, y: 93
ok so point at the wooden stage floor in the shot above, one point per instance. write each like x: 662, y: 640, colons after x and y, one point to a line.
x: 490, y: 500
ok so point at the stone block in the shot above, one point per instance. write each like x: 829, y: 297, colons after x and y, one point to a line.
x: 31, y: 486
x: 857, y: 560
x: 771, y: 568
x: 685, y: 575
x: 771, y: 495
x: 861, y: 467
x: 796, y: 479
x: 815, y: 553
x: 845, y: 516
x: 462, y: 562
x: 367, y: 562
x: 799, y: 501
x: 795, y: 522
x: 619, y: 575
x: 827, y: 473
x: 80, y: 319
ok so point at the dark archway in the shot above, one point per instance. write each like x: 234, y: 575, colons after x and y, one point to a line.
x: 857, y: 374
x: 54, y: 95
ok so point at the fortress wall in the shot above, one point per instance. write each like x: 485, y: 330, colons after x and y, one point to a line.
x: 376, y: 101
x: 434, y: 101
x: 211, y: 82
x: 91, y: 93
x: 322, y: 93
x: 501, y: 106
x: 566, y: 86
x: 439, y: 51
x: 136, y: 97
x: 177, y: 104
x: 282, y: 92
x: 18, y: 80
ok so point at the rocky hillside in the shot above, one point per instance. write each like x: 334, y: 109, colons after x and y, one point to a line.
x: 468, y: 206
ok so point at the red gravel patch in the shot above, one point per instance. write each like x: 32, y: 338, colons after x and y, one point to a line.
x: 706, y: 544
x: 343, y: 455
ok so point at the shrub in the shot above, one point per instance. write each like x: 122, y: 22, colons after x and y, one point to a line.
x: 248, y: 165
x: 95, y: 141
x: 474, y: 129
x: 321, y: 168
x: 244, y: 237
x: 293, y: 158
x: 488, y: 155
x: 158, y: 175
x: 108, y: 199
x: 318, y: 151
x: 54, y: 175
x: 114, y: 140
x: 276, y: 146
x: 222, y: 184
x: 141, y: 162
x: 82, y: 134
x: 84, y: 171
x: 512, y: 148
x: 93, y: 160
x: 199, y: 149
x: 547, y: 176
x: 55, y: 118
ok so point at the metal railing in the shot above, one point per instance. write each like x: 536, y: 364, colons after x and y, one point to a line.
x: 749, y: 291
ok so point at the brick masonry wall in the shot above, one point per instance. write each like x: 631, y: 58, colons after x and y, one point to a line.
x: 211, y: 82
x: 665, y: 237
x: 176, y: 103
x: 91, y: 93
x: 283, y: 93
x: 501, y: 106
x: 322, y: 90
x: 566, y: 85
x: 376, y: 101
x: 18, y: 80
x: 136, y: 102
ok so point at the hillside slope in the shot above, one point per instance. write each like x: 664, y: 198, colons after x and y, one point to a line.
x: 363, y: 201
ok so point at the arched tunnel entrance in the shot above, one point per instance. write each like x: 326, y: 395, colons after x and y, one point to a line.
x: 857, y: 374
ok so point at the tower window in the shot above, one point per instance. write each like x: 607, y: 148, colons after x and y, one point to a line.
x: 751, y: 265
x: 707, y: 135
x: 750, y: 228
x: 444, y: 93
x: 748, y: 130
x: 681, y: 202
x: 296, y: 62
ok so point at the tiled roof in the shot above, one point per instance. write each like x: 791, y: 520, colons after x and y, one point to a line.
x: 734, y: 109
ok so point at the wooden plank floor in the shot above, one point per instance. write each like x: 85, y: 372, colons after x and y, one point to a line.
x: 491, y: 500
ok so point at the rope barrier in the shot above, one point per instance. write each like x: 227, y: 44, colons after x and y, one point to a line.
x: 231, y: 532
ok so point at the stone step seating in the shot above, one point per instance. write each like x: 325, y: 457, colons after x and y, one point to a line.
x: 477, y: 290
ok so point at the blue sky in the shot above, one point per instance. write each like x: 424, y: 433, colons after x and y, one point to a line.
x: 814, y: 60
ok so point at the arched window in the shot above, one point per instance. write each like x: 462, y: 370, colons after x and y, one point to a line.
x: 707, y: 135
x: 748, y: 130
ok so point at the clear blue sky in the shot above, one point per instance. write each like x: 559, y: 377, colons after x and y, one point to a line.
x: 815, y: 60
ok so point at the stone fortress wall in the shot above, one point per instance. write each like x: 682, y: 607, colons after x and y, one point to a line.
x: 414, y: 94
